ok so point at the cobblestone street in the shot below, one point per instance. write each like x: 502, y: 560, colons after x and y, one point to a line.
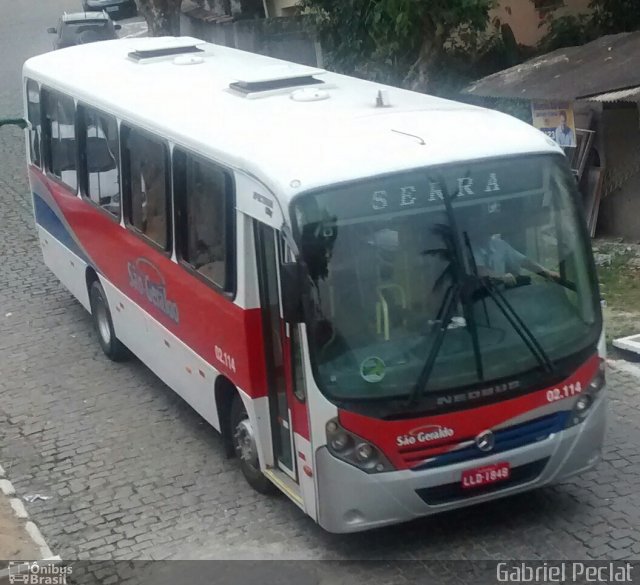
x: 133, y: 473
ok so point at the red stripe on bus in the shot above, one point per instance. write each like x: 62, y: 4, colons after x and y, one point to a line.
x: 206, y: 319
x: 448, y: 430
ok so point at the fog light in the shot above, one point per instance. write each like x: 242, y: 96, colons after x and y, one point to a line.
x: 340, y: 441
x: 364, y: 452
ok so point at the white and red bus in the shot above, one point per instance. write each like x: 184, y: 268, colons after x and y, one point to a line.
x: 384, y: 301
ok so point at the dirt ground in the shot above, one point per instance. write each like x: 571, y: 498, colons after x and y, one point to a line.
x: 15, y: 543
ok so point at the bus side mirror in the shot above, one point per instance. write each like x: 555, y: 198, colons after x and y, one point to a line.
x: 292, y: 278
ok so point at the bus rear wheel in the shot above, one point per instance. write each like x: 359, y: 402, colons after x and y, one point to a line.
x: 244, y: 444
x: 112, y: 347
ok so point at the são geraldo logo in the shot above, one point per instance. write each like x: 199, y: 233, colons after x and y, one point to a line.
x: 424, y: 434
x: 145, y: 277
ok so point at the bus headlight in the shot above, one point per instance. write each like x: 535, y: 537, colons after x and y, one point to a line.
x: 354, y: 450
x: 364, y: 452
x: 585, y: 401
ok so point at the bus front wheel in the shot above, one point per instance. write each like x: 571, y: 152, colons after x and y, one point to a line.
x: 112, y: 347
x: 244, y: 444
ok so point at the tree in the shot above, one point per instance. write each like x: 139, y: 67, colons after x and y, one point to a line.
x: 604, y: 17
x: 162, y: 16
x: 397, y: 41
x: 613, y: 16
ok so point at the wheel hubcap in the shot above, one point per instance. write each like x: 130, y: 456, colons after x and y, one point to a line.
x: 103, y: 322
x: 245, y: 443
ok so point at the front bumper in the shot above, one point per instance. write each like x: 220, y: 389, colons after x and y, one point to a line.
x: 351, y: 500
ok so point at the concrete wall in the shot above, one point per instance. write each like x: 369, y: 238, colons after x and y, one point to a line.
x: 620, y: 209
x: 525, y: 19
x: 283, y: 38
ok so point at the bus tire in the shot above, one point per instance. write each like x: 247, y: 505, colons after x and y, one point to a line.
x: 244, y: 444
x: 112, y: 347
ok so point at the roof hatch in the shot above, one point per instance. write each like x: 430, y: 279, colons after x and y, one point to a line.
x: 164, y: 47
x: 275, y: 79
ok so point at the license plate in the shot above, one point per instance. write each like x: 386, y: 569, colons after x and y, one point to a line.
x: 112, y: 8
x: 481, y: 476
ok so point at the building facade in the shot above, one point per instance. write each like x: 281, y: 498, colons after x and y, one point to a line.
x: 527, y: 18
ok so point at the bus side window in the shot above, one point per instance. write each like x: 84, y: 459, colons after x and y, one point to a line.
x: 34, y: 115
x: 60, y: 139
x: 101, y: 174
x: 203, y: 191
x: 145, y: 170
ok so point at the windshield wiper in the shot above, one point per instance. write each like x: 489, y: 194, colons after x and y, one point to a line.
x: 462, y: 290
x: 445, y: 313
x: 519, y: 326
x: 465, y: 289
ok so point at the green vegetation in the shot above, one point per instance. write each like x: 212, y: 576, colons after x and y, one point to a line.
x: 620, y: 287
x: 605, y: 17
x: 417, y: 44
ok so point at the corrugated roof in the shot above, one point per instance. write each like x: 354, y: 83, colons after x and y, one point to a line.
x: 605, y: 65
x: 622, y: 95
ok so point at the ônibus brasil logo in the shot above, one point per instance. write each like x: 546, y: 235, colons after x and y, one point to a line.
x: 37, y: 573
x: 424, y: 435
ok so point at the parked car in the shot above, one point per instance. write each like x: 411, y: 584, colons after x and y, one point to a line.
x: 116, y: 9
x: 83, y: 27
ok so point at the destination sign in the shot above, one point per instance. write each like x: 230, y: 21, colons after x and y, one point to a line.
x: 427, y: 188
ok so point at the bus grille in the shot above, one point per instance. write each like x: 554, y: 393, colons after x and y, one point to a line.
x: 452, y: 492
x: 505, y: 439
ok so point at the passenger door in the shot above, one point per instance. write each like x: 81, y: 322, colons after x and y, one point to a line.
x: 269, y: 254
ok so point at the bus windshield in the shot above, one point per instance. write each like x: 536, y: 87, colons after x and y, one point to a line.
x: 442, y: 278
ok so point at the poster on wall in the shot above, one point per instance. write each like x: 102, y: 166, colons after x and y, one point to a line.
x: 556, y: 120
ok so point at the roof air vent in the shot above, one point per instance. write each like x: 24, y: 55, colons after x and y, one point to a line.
x: 164, y: 47
x: 270, y: 80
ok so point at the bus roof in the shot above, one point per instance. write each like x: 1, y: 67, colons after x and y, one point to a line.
x: 291, y: 139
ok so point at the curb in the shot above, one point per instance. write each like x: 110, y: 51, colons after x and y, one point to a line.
x: 20, y: 512
x: 624, y: 366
